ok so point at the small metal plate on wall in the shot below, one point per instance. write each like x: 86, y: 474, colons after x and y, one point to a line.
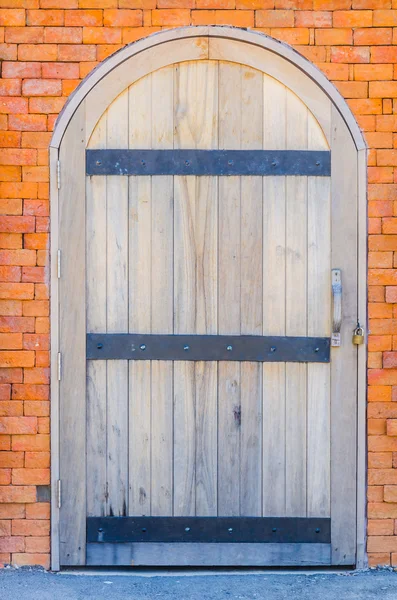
x: 134, y: 346
x: 208, y: 162
x: 294, y: 530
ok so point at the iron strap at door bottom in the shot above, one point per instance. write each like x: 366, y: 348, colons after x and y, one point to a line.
x: 134, y: 346
x: 295, y: 530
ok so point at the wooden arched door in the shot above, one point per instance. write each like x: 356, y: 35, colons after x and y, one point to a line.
x: 218, y: 423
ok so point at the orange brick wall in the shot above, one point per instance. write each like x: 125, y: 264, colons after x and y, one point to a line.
x: 47, y: 47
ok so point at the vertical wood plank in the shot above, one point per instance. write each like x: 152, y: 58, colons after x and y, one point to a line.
x: 195, y: 292
x: 117, y: 314
x: 162, y: 100
x: 140, y: 293
x: 318, y: 324
x: 96, y: 233
x: 296, y: 315
x: 274, y: 265
x: 251, y: 296
x: 229, y: 378
x: 72, y: 296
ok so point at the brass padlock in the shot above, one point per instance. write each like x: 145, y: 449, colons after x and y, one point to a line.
x: 358, y: 335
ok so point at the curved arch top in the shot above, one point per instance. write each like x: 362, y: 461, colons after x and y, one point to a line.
x: 252, y: 38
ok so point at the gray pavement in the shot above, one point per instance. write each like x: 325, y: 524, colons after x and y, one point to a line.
x: 34, y: 584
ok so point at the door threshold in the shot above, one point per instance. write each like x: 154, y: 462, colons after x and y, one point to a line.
x: 200, y: 572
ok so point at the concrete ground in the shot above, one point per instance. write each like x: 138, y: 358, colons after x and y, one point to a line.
x: 33, y: 584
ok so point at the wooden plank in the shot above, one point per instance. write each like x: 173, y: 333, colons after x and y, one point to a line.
x: 96, y: 286
x: 274, y: 265
x: 140, y: 293
x: 251, y: 296
x: 318, y: 323
x: 195, y: 286
x: 296, y: 314
x: 207, y: 555
x: 344, y: 359
x: 229, y: 379
x: 117, y: 315
x: 162, y: 124
x: 72, y: 328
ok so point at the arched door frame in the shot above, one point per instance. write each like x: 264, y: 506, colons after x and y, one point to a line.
x: 107, y: 81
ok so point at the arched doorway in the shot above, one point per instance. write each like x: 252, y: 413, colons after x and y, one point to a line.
x: 207, y: 200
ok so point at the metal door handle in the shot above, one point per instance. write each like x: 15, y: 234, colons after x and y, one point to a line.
x: 336, y: 280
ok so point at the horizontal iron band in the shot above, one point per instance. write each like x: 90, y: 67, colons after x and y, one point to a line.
x: 135, y: 346
x: 294, y: 530
x: 208, y: 162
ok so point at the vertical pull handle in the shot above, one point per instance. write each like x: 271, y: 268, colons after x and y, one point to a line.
x: 336, y: 280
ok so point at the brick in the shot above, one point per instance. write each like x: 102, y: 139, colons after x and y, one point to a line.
x: 61, y: 71
x: 350, y: 54
x: 36, y: 408
x: 383, y: 54
x: 10, y: 307
x: 379, y: 460
x: 46, y: 105
x: 37, y: 460
x: 10, y: 408
x: 73, y: 53
x: 10, y: 87
x: 12, y: 544
x: 30, y: 443
x: 9, y: 324
x: 18, y: 494
x: 382, y: 443
x: 380, y: 527
x: 9, y: 105
x: 45, y: 17
x: 30, y: 477
x: 22, y: 425
x: 81, y: 18
x: 10, y: 341
x: 10, y: 274
x: 127, y: 18
x: 382, y: 243
x: 354, y: 89
x: 392, y: 427
x: 378, y: 559
x: 38, y: 511
x: 37, y: 375
x: 10, y: 376
x: 20, y: 69
x: 37, y: 308
x: 36, y: 241
x: 36, y: 559
x: 37, y: 544
x: 37, y: 87
x: 372, y: 37
x: 380, y: 260
x: 11, y: 459
x: 10, y: 173
x: 8, y: 51
x: 376, y: 426
x: 5, y: 476
x: 382, y: 544
x: 5, y: 442
x: 12, y: 17
x: 382, y: 510
x: 29, y: 391
x: 63, y: 35
x: 5, y: 528
x: 101, y: 35
x: 10, y: 206
x: 24, y: 35
x: 37, y: 52
x: 384, y: 18
x: 27, y: 122
x: 19, y: 257
x: 352, y: 18
x: 40, y: 139
x: 172, y: 17
x: 16, y: 359
x: 274, y: 18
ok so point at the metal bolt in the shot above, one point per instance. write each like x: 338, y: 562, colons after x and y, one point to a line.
x: 186, y: 348
x: 187, y: 528
x: 98, y: 162
x: 274, y: 163
x: 273, y: 349
x: 99, y: 346
x: 144, y: 529
x: 317, y: 163
x: 100, y: 530
x: 316, y: 349
x: 187, y: 162
x: 142, y: 347
x: 143, y: 162
x: 230, y: 162
x: 230, y: 529
x: 317, y: 530
x: 229, y: 348
x: 274, y: 529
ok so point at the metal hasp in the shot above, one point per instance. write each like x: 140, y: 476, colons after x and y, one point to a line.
x: 134, y: 346
x: 208, y: 162
x: 336, y: 281
x: 295, y: 530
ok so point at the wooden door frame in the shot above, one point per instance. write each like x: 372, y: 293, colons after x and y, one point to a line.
x: 103, y: 85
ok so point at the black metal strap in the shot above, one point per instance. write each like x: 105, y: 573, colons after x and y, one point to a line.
x: 294, y: 530
x: 135, y: 346
x: 208, y: 162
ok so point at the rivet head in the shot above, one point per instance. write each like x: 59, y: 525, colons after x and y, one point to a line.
x: 98, y: 162
x: 229, y: 348
x: 99, y: 346
x: 317, y: 163
x: 186, y: 348
x: 230, y: 162
x: 187, y: 528
x: 187, y: 162
x: 142, y: 347
x: 144, y: 529
x: 274, y: 529
x: 273, y: 349
x: 100, y: 530
x: 317, y: 530
x: 230, y: 529
x: 143, y: 162
x: 316, y: 349
x: 274, y: 163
